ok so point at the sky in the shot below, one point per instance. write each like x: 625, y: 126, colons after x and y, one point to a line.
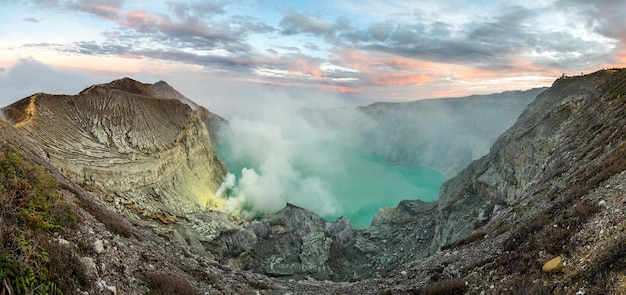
x: 223, y: 54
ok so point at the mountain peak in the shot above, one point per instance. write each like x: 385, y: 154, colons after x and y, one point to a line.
x: 125, y: 85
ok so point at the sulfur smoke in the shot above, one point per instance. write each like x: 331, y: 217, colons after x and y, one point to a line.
x: 336, y: 161
x: 229, y: 183
x: 284, y: 159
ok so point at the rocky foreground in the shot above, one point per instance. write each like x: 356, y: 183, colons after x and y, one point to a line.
x: 550, y: 189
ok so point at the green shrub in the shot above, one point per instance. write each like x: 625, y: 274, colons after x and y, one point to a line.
x: 30, y: 210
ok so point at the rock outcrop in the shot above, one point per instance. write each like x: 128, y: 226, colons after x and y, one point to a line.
x: 212, y: 122
x: 575, y: 123
x: 134, y: 141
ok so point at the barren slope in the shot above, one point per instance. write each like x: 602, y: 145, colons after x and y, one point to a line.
x: 124, y: 138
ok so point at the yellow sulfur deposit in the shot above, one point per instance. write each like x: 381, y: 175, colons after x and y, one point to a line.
x: 214, y: 203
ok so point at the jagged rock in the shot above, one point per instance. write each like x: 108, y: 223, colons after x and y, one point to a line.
x: 212, y: 122
x: 90, y: 266
x: 553, y: 265
x: 98, y: 246
x: 291, y: 243
x: 315, y: 254
x: 64, y: 242
x: 519, y: 158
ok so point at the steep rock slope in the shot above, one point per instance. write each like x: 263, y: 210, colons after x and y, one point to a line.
x: 211, y: 121
x: 131, y: 140
x: 92, y: 249
x: 549, y: 187
x: 561, y: 141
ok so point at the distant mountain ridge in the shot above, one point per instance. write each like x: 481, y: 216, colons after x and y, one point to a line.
x: 445, y: 134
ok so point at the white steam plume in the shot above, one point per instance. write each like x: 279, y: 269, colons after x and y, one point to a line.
x: 285, y: 159
x: 229, y: 183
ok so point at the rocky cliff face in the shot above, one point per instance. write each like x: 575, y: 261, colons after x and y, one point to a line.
x: 574, y: 123
x: 542, y: 189
x: 126, y: 139
x: 212, y: 122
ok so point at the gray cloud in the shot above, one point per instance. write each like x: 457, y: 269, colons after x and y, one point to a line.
x: 494, y: 44
x: 288, y: 48
x: 45, y: 3
x: 107, y: 9
x: 185, y: 10
x: 32, y: 20
x: 296, y: 23
x: 188, y: 25
x: 203, y: 33
x: 249, y: 25
x: 605, y: 17
x: 311, y: 46
x: 380, y: 32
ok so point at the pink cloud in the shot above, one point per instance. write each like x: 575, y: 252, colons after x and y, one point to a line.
x: 106, y: 11
x: 130, y: 56
x: 139, y: 20
x: 384, y: 79
x: 308, y: 67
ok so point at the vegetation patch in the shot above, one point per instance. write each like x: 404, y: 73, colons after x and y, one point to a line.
x: 168, y: 283
x: 606, y: 264
x: 31, y: 262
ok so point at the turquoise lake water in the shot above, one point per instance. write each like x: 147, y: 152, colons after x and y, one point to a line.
x: 374, y: 185
x: 365, y: 184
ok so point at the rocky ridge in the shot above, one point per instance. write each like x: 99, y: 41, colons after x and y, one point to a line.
x: 552, y: 185
x: 124, y: 139
x: 444, y: 134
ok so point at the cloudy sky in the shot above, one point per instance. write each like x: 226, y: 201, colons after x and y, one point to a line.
x: 359, y: 51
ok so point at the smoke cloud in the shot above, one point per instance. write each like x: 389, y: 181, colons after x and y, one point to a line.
x: 229, y: 183
x: 335, y: 161
x: 281, y: 158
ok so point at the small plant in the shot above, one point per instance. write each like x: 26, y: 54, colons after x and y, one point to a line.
x: 610, y: 261
x: 30, y: 208
x: 111, y: 221
x: 168, y: 283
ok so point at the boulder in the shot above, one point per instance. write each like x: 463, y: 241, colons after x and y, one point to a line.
x: 554, y: 265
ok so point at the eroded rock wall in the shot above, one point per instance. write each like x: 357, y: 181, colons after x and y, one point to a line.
x: 126, y: 139
x: 578, y: 122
